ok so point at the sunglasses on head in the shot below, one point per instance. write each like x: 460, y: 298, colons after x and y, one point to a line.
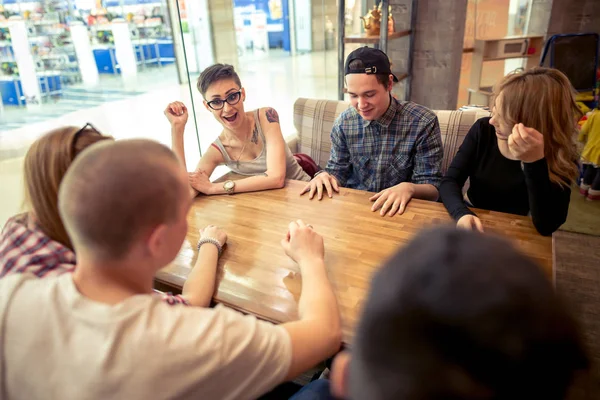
x: 86, y: 126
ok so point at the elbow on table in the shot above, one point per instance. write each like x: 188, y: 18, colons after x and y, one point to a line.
x: 278, y: 181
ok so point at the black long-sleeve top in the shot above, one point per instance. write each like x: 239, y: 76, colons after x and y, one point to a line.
x: 500, y: 184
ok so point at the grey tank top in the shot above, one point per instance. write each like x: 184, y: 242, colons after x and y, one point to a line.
x: 258, y: 166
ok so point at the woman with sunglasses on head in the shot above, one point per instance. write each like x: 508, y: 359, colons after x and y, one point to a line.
x: 523, y: 159
x: 36, y: 241
x: 251, y: 143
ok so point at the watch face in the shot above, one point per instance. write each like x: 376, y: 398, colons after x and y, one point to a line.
x: 229, y: 185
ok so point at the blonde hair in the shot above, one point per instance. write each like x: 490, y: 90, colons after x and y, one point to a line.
x: 544, y: 99
x: 45, y: 165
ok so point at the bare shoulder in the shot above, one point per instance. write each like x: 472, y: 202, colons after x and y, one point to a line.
x: 213, y: 155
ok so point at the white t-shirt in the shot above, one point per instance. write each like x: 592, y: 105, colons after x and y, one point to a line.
x: 57, y: 344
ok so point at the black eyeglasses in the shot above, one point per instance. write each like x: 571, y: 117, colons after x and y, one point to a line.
x: 232, y: 99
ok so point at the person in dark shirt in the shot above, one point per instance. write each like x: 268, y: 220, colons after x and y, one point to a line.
x: 459, y: 315
x: 523, y: 159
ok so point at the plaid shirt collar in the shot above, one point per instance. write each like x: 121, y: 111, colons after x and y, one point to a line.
x: 388, y: 116
x: 25, y: 248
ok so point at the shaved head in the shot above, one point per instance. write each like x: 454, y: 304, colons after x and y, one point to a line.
x: 117, y: 192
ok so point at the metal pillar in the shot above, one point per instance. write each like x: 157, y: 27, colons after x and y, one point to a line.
x: 411, y: 49
x: 383, y: 30
x: 341, y: 35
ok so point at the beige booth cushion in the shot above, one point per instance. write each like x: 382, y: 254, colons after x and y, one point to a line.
x: 314, y: 119
x: 454, y: 126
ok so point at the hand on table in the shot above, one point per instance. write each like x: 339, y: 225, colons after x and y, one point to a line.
x: 394, y: 199
x: 526, y: 144
x: 200, y: 181
x: 318, y: 182
x: 177, y: 114
x: 302, y: 243
x: 214, y: 232
x: 470, y: 222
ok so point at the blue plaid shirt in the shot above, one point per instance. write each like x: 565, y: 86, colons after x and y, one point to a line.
x: 404, y: 145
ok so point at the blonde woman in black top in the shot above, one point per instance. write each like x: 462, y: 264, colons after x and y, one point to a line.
x: 523, y: 159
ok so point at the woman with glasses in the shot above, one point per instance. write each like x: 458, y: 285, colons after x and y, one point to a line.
x: 250, y: 144
x: 523, y: 159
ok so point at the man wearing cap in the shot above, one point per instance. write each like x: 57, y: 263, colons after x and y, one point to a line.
x: 381, y: 144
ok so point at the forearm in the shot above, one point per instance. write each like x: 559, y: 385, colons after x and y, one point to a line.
x: 177, y: 143
x: 425, y: 191
x: 451, y: 194
x: 317, y: 300
x: 317, y: 334
x: 548, y: 202
x: 462, y: 167
x: 199, y: 287
x: 338, y: 164
x: 252, y: 184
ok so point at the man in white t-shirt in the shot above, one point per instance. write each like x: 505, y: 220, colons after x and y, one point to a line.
x: 99, y: 333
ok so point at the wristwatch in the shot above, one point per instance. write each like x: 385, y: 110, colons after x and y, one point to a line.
x: 229, y: 187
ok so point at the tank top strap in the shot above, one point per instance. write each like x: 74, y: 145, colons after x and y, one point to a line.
x: 257, y: 122
x: 221, y: 148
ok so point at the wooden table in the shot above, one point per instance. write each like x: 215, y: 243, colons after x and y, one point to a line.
x: 255, y: 276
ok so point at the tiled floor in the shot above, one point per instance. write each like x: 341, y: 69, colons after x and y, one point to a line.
x: 277, y: 82
x: 80, y: 96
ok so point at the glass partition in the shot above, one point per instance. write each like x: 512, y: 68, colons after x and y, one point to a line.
x: 68, y: 62
x: 119, y: 63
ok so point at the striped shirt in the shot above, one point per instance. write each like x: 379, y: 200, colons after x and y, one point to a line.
x: 24, y: 248
x: 403, y: 145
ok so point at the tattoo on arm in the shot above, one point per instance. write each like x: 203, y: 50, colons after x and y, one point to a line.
x: 272, y: 115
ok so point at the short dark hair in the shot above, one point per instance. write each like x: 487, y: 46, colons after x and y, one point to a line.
x: 214, y: 73
x: 461, y: 315
x: 383, y: 79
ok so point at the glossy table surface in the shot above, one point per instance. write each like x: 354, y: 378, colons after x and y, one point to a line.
x: 255, y: 276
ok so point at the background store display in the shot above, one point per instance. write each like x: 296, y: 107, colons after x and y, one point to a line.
x: 55, y: 57
x: 262, y: 24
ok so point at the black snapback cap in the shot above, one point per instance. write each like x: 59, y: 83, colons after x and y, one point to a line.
x: 375, y: 61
